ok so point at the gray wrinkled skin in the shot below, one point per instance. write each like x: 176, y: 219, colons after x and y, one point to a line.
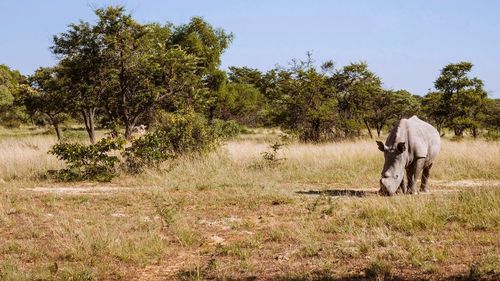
x: 412, y: 145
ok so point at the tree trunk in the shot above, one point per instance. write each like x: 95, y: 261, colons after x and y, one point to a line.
x: 368, y: 127
x: 458, y: 132
x: 128, y: 132
x: 474, y: 132
x: 58, y: 131
x: 129, y: 127
x: 316, y: 133
x: 379, y: 130
x: 88, y: 117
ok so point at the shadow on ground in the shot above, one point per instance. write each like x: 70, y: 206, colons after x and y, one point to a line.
x: 340, y: 192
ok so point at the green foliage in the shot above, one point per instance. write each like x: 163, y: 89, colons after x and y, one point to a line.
x: 203, y: 41
x: 240, y: 102
x: 322, y: 105
x: 12, y: 114
x: 245, y: 75
x: 272, y: 155
x: 87, y: 162
x: 45, y: 97
x: 460, y: 101
x: 125, y: 70
x: 149, y: 150
x: 182, y: 134
x: 389, y: 106
x: 190, y: 132
x: 227, y: 130
x: 492, y: 135
x: 270, y: 158
x: 305, y: 104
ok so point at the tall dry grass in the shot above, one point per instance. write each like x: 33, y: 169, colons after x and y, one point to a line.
x: 345, y: 164
x: 26, y: 157
x: 354, y: 164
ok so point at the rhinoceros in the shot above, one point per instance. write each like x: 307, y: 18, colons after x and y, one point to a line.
x: 412, y: 145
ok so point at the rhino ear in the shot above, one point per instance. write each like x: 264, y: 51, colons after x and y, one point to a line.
x: 381, y: 146
x: 401, y: 147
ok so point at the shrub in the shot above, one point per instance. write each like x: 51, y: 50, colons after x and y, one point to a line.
x: 87, y: 162
x: 149, y: 150
x: 228, y: 129
x: 270, y: 158
x: 492, y: 135
x: 182, y: 133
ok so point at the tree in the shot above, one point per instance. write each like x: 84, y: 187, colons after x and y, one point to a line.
x: 125, y: 70
x: 80, y: 51
x: 492, y: 118
x: 45, y: 95
x: 245, y: 75
x: 356, y: 88
x: 11, y: 114
x: 306, y: 102
x: 389, y: 106
x: 199, y: 39
x: 462, y: 98
x: 242, y: 99
x: 243, y: 103
x: 130, y: 88
x: 435, y: 108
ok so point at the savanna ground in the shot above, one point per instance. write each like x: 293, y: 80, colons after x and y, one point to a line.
x: 232, y: 215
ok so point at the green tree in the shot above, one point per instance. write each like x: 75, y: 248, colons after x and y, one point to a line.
x: 11, y: 114
x: 46, y: 96
x: 389, y: 106
x: 245, y: 75
x: 492, y: 118
x: 435, y: 108
x: 200, y: 39
x: 207, y: 44
x: 307, y: 103
x: 130, y: 88
x: 81, y: 66
x: 244, y: 104
x: 357, y: 88
x: 463, y: 98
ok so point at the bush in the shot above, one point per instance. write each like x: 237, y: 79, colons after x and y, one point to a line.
x: 227, y: 130
x: 149, y: 150
x: 87, y: 162
x: 492, y: 135
x: 190, y: 132
x: 182, y: 133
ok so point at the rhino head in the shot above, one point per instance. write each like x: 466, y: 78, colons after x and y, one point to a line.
x: 394, y: 166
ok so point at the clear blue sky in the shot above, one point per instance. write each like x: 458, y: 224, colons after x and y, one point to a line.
x: 405, y: 42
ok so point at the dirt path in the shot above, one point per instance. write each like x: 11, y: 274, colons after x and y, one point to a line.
x: 441, y: 186
x: 81, y: 190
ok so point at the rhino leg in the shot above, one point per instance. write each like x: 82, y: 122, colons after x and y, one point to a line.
x: 414, y: 173
x: 424, y: 186
x: 402, y: 187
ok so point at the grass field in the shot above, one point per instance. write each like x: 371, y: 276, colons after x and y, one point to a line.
x: 232, y: 215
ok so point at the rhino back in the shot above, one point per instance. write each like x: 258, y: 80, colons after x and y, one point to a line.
x: 423, y: 139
